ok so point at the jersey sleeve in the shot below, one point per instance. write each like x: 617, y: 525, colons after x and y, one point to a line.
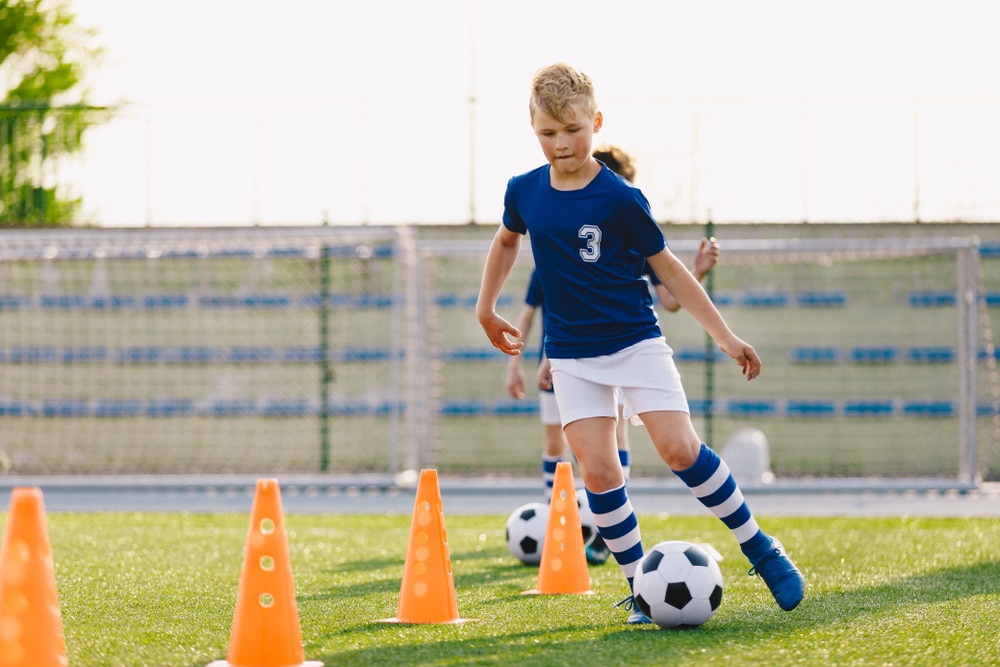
x: 533, y: 297
x: 641, y: 227
x: 511, y: 218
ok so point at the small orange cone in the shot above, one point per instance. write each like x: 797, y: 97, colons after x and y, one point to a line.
x: 31, y: 632
x: 427, y: 594
x: 265, y: 630
x: 563, y: 568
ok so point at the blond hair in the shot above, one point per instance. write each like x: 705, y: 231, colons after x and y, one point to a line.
x: 556, y: 87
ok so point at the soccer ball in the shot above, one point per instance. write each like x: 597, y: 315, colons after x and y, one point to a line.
x: 526, y: 528
x: 587, y: 524
x: 678, y: 585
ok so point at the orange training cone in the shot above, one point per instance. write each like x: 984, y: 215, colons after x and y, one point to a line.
x: 427, y: 594
x: 563, y: 568
x: 265, y: 630
x: 31, y: 632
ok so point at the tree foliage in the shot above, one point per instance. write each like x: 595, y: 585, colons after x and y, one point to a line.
x: 44, y: 58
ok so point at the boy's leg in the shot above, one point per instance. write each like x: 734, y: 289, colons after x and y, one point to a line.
x: 597, y: 550
x: 591, y: 441
x: 554, y: 445
x: 555, y: 450
x: 710, y: 480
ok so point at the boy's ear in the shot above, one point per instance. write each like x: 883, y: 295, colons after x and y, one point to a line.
x: 598, y: 122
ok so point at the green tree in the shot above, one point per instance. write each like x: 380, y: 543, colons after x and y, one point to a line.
x: 44, y: 57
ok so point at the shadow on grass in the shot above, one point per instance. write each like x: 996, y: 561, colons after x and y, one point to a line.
x: 751, y: 625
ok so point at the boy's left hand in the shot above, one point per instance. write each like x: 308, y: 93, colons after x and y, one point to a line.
x: 746, y: 357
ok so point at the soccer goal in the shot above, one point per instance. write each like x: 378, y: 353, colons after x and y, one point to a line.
x: 356, y: 350
x: 878, y: 361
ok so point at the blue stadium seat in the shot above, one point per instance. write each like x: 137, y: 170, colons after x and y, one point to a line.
x: 113, y: 302
x: 868, y: 408
x: 302, y: 354
x: 252, y: 354
x: 165, y: 301
x: 65, y: 407
x: 149, y: 354
x: 700, y: 407
x: 119, y: 408
x: 16, y: 408
x: 986, y: 409
x: 821, y: 299
x: 811, y: 408
x: 874, y: 355
x: 460, y: 408
x: 764, y: 300
x: 13, y: 301
x: 170, y: 407
x: 931, y: 354
x: 989, y: 250
x: 353, y: 353
x: 931, y: 298
x: 196, y: 354
x: 63, y: 301
x: 698, y: 353
x: 292, y: 407
x: 929, y: 409
x: 814, y: 355
x: 348, y: 408
x: 758, y: 408
x: 267, y: 301
x: 373, y: 300
x: 472, y: 354
x: 515, y: 407
x: 84, y: 354
x: 231, y: 407
x: 31, y: 354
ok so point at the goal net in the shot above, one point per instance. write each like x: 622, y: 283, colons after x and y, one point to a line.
x: 357, y: 350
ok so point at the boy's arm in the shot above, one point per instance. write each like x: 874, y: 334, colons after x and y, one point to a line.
x: 691, y: 295
x: 503, y: 253
x: 515, y: 373
x: 704, y: 261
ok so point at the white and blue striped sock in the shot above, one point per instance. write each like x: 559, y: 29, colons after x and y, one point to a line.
x: 712, y: 483
x: 619, y: 527
x: 625, y: 457
x: 549, y: 464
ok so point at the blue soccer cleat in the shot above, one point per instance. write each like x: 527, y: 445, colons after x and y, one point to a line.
x: 635, y: 617
x: 597, y: 551
x: 781, y: 576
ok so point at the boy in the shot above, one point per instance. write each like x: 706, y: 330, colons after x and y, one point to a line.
x: 554, y: 441
x: 591, y: 234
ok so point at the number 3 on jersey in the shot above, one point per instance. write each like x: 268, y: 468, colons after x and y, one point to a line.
x: 593, y: 250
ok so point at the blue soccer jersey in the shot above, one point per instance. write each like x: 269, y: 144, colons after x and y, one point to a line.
x: 589, y: 247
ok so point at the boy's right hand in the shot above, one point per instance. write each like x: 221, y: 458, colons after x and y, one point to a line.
x: 504, y: 335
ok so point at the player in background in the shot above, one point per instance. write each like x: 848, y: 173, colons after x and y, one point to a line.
x: 591, y: 234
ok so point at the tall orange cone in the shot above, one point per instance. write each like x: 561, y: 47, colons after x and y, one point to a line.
x: 31, y: 632
x: 563, y: 568
x: 265, y: 630
x: 427, y: 594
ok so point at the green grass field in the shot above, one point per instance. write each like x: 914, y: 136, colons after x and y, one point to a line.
x: 159, y: 590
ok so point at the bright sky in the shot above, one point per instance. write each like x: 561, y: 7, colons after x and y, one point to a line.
x: 302, y: 63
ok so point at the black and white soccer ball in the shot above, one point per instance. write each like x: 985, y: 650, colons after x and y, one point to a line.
x: 587, y: 524
x: 678, y: 585
x: 526, y: 528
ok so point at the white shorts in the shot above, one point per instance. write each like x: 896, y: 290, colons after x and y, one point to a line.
x: 646, y: 373
x: 548, y: 408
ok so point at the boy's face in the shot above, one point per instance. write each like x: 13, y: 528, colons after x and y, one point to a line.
x: 567, y: 143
